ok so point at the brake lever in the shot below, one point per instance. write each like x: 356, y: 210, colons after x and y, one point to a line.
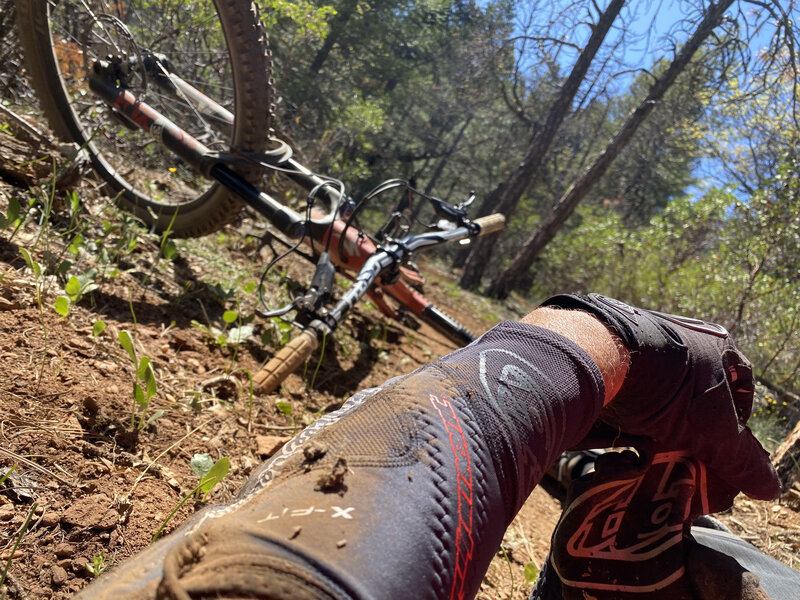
x: 443, y: 209
x: 468, y: 201
x: 320, y: 290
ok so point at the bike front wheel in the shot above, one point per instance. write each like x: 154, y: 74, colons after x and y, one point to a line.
x: 216, y: 46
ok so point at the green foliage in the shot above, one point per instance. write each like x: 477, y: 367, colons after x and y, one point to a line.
x: 61, y: 305
x: 215, y: 474
x: 144, y: 382
x: 17, y: 540
x: 279, y: 333
x: 98, y: 328
x: 209, y: 479
x: 99, y: 564
x: 201, y: 464
x: 308, y: 21
x: 531, y: 572
x: 7, y: 474
x: 768, y: 421
x: 12, y: 215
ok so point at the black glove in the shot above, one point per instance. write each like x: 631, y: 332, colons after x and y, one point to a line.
x: 687, y: 389
x: 625, y: 534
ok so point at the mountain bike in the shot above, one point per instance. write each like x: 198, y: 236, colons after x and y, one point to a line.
x: 174, y: 106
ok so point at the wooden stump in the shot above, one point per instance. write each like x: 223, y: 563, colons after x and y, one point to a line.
x: 28, y: 157
x: 787, y: 459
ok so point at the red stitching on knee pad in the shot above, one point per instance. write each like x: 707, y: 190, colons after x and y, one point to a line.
x: 461, y: 461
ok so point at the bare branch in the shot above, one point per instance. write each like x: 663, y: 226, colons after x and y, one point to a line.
x: 552, y: 40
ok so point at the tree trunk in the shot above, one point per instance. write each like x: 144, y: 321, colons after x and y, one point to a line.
x: 506, y: 196
x: 505, y: 281
x: 338, y: 25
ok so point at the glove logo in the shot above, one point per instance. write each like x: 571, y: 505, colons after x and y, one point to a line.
x: 624, y: 533
x: 614, y: 303
x: 694, y: 324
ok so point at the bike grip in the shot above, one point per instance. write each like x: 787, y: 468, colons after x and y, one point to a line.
x: 490, y: 223
x: 289, y: 358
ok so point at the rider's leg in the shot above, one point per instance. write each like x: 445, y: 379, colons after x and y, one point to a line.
x: 404, y: 492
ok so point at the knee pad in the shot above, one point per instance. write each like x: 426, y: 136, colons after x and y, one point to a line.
x: 405, y: 491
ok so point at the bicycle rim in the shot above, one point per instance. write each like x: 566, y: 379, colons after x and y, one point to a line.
x: 215, y: 46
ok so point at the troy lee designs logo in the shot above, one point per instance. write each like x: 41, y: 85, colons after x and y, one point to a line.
x: 625, y: 534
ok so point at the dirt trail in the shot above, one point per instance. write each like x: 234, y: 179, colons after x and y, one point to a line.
x: 93, y: 488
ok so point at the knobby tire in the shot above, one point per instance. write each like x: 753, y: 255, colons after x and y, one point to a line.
x: 60, y: 40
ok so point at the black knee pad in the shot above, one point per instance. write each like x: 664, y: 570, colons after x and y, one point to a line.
x: 404, y: 492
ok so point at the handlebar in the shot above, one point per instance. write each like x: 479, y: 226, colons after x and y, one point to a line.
x: 286, y: 361
x: 490, y: 223
x: 386, y: 257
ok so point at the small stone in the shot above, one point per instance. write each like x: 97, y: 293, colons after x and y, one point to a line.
x: 341, y: 543
x: 92, y: 512
x: 79, y: 344
x: 64, y: 550
x: 105, y: 366
x: 294, y: 385
x: 7, y: 512
x: 113, y: 389
x: 59, y: 575
x: 267, y: 445
x: 50, y: 519
x: 79, y: 565
x: 65, y: 563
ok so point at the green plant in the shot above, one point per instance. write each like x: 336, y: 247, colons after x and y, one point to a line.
x: 209, y: 478
x: 510, y: 570
x: 74, y: 289
x: 7, y: 474
x: 38, y: 274
x: 144, y: 382
x: 166, y: 247
x: 278, y: 334
x: 99, y: 564
x: 98, y: 328
x: 12, y: 215
x: 285, y: 408
x: 768, y: 424
x: 531, y: 572
x: 250, y: 397
x: 319, y: 362
x: 17, y: 541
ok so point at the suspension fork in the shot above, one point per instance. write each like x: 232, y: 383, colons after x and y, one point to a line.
x: 102, y: 83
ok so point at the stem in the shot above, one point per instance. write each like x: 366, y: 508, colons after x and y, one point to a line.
x: 22, y: 531
x: 319, y: 362
x: 174, y: 510
x: 39, y: 292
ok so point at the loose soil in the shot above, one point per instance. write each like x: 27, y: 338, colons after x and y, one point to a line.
x: 95, y: 490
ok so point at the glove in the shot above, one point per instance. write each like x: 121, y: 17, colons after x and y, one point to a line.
x: 625, y: 533
x: 687, y: 389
